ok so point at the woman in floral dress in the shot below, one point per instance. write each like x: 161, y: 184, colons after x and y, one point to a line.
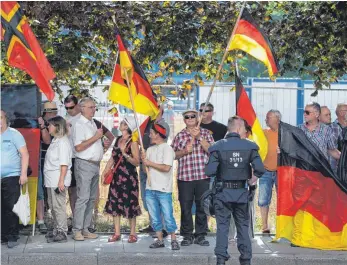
x: 124, y: 189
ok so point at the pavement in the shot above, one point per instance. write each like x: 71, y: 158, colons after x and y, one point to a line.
x: 36, y: 251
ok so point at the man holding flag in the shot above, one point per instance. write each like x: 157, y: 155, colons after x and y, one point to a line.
x: 312, y: 199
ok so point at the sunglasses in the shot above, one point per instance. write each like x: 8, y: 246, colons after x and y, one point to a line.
x: 72, y: 107
x: 307, y: 112
x: 208, y: 110
x: 187, y: 117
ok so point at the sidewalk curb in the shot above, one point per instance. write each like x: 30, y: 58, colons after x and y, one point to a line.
x: 163, y: 258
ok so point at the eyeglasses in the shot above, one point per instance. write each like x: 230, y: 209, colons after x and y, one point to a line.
x: 208, y: 110
x: 307, y: 112
x: 72, y: 107
x: 187, y: 117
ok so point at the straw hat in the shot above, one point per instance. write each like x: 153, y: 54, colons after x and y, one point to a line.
x: 50, y: 107
x: 190, y: 110
x: 130, y: 121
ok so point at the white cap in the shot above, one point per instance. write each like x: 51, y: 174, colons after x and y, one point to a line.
x: 170, y: 103
x: 130, y: 121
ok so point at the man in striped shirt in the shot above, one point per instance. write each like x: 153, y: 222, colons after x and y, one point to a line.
x: 191, y: 150
x: 319, y: 133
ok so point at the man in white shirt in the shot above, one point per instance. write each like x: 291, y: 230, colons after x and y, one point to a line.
x: 88, y: 154
x: 73, y: 110
x: 159, y: 159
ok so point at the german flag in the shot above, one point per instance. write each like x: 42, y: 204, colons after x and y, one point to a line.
x: 251, y: 39
x: 144, y: 96
x: 144, y: 128
x: 22, y: 48
x: 245, y: 110
x: 312, y: 200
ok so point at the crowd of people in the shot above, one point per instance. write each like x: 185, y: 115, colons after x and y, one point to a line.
x: 73, y: 147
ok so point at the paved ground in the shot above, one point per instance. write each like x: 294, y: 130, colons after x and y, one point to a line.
x: 35, y: 251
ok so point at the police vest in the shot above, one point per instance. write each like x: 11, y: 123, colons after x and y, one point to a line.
x: 235, y: 158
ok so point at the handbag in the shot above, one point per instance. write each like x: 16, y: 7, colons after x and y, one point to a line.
x: 22, y: 207
x: 110, y: 173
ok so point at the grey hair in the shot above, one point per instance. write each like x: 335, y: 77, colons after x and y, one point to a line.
x: 314, y: 105
x: 277, y: 113
x: 85, y: 100
x: 340, y: 105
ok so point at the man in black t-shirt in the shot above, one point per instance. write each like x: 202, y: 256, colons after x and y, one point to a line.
x: 218, y: 130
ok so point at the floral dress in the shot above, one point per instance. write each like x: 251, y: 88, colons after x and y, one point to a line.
x: 124, y: 189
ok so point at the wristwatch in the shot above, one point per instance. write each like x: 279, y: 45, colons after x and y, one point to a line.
x: 127, y: 156
x: 42, y: 128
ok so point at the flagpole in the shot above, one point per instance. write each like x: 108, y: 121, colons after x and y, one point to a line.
x: 221, y: 65
x: 108, y: 92
x: 237, y: 74
x: 136, y: 119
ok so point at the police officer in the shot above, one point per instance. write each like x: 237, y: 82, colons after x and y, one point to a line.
x: 231, y: 161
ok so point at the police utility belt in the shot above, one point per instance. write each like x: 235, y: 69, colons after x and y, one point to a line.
x: 235, y: 184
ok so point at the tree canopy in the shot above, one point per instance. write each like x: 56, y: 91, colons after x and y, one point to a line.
x: 309, y: 38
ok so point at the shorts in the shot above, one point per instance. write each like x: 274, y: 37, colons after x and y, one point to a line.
x: 266, y: 183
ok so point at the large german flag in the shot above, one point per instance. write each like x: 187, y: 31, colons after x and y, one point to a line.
x: 22, y: 48
x: 251, y: 39
x: 144, y: 96
x: 312, y: 200
x: 245, y: 110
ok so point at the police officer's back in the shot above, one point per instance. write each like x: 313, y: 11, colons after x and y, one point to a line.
x: 231, y: 161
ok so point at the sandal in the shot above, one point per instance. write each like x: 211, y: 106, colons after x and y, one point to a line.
x: 266, y: 231
x: 114, y: 238
x: 132, y: 239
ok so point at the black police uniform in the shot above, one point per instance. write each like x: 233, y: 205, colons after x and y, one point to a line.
x: 231, y: 161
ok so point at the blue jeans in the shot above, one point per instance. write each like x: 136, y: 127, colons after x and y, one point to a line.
x: 160, y: 204
x: 266, y: 183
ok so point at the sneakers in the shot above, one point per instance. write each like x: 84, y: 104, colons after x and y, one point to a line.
x: 148, y: 229
x: 175, y: 245
x: 200, y: 240
x: 187, y: 241
x: 12, y: 244
x: 89, y: 235
x: 78, y: 236
x: 50, y: 236
x: 91, y: 230
x: 60, y: 237
x: 42, y: 228
x: 220, y: 261
x: 157, y: 244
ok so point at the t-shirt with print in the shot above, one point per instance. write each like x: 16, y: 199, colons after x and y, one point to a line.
x: 160, y: 154
x: 217, y: 130
x: 11, y: 141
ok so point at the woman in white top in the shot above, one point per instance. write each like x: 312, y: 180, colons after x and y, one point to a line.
x: 58, y: 177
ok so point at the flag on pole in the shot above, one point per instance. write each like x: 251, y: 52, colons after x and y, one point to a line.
x: 312, y: 200
x: 22, y: 48
x: 144, y: 96
x: 125, y: 58
x: 251, y: 39
x: 245, y: 110
x: 144, y: 127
